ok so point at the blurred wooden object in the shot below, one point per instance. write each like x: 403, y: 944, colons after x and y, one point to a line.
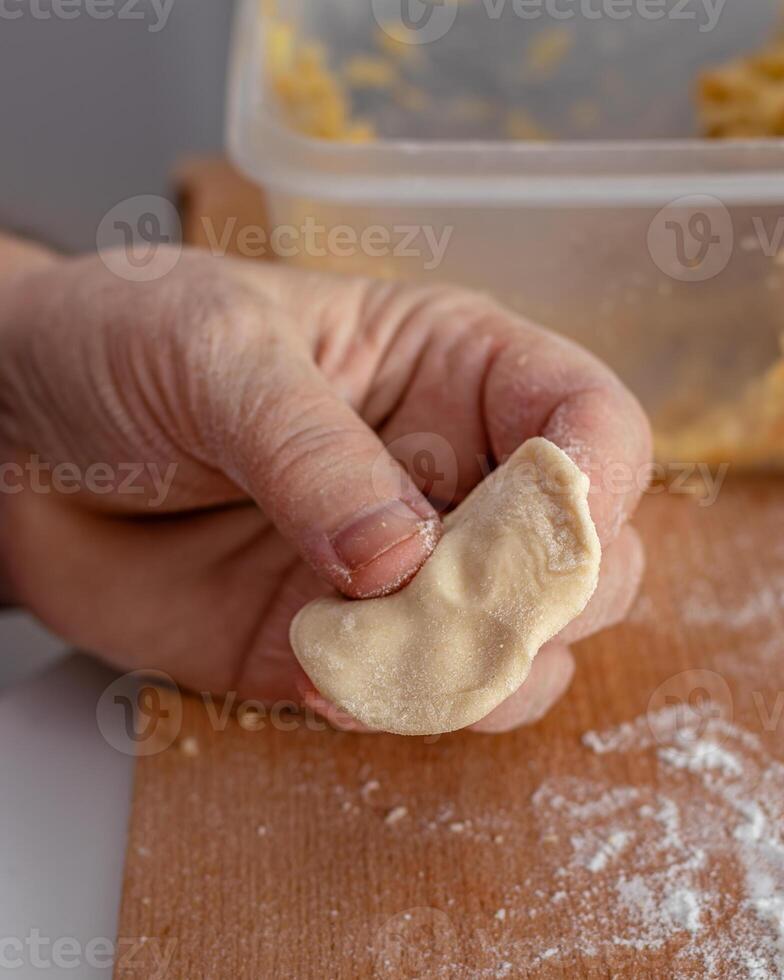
x: 292, y: 853
x: 216, y: 203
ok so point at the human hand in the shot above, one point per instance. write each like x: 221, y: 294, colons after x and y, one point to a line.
x: 254, y: 404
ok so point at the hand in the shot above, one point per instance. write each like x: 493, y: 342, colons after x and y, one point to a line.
x: 192, y: 459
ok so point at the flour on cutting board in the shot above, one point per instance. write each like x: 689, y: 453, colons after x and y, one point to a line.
x: 700, y: 606
x: 703, y: 605
x: 694, y: 863
x: 738, y: 623
x: 682, y: 865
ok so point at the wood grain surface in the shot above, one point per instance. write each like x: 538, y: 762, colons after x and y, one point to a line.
x: 288, y: 852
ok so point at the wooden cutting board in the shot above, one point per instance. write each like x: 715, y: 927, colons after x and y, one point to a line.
x: 631, y: 852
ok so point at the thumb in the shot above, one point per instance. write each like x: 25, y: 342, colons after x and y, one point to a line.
x: 321, y: 474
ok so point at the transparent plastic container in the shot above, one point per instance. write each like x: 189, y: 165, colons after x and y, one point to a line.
x: 657, y: 250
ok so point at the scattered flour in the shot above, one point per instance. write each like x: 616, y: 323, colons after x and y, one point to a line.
x: 693, y: 864
x: 701, y: 757
x: 395, y: 815
x: 368, y: 789
x: 678, y: 871
x: 610, y: 849
x: 701, y: 606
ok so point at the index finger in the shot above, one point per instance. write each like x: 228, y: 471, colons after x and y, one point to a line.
x: 554, y: 388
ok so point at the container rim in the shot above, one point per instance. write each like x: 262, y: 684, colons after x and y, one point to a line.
x: 493, y: 173
x: 500, y: 173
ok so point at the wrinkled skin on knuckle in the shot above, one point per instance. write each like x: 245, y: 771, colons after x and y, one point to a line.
x: 46, y: 350
x: 213, y: 358
x: 301, y: 462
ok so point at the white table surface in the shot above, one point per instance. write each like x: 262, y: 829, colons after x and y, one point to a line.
x: 64, y: 813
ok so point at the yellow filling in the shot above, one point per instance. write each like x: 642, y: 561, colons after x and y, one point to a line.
x: 745, y: 97
x: 311, y: 97
x: 746, y: 432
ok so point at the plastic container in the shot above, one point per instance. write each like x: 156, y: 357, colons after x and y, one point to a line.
x: 653, y: 248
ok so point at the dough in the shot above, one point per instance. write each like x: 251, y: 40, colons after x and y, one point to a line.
x: 519, y: 559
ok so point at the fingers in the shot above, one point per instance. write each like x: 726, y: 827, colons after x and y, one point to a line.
x: 605, y: 432
x: 526, y: 381
x: 550, y: 676
x: 623, y: 564
x: 18, y: 256
x: 318, y: 472
x: 335, y: 716
x: 551, y: 387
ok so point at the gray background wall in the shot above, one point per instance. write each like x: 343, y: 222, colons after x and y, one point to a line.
x: 94, y: 111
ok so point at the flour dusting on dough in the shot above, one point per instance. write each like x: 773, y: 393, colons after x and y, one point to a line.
x: 518, y: 560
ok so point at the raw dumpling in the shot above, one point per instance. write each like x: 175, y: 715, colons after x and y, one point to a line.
x: 518, y: 560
